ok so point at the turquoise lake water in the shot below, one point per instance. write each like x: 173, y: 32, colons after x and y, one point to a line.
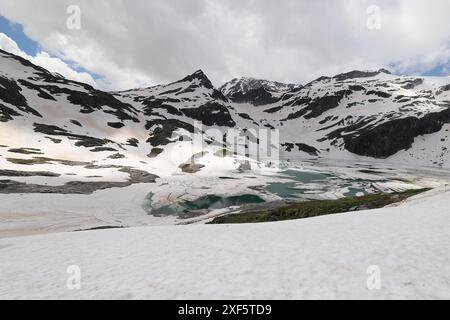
x: 289, y: 185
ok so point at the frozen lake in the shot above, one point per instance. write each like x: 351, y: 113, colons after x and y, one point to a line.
x: 198, y: 198
x: 294, y: 181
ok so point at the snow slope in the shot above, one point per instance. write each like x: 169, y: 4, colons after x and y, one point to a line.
x: 318, y: 258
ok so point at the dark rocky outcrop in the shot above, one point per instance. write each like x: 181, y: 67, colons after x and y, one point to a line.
x: 82, y: 140
x: 94, y: 100
x: 388, y: 138
x: 191, y: 167
x: 116, y: 156
x: 274, y: 109
x: 116, y: 125
x: 443, y: 89
x: 25, y: 150
x: 155, y: 152
x: 152, y: 105
x: 411, y: 84
x: 200, y: 77
x: 41, y: 93
x: 103, y: 149
x: 14, y: 173
x: 211, y: 114
x: 301, y: 147
x: 75, y: 122
x: 359, y: 74
x: 380, y: 94
x: 10, y: 92
x: 78, y: 187
x: 7, y: 114
x: 320, y: 105
x: 133, y: 142
x: 164, y: 130
x: 307, y: 149
x: 256, y: 97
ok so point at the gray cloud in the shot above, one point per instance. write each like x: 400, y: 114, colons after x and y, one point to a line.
x: 139, y: 42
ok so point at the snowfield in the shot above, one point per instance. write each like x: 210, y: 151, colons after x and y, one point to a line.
x: 319, y: 258
x: 73, y: 157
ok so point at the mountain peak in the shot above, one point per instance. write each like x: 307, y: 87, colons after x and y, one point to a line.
x: 246, y: 84
x: 359, y: 74
x: 255, y: 91
x: 199, y: 73
x: 201, y: 77
x: 383, y: 70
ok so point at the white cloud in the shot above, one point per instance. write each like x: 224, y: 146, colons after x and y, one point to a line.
x: 8, y: 44
x: 43, y: 59
x: 138, y: 42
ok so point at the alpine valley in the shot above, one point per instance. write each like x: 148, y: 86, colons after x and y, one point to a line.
x: 364, y: 155
x: 73, y: 157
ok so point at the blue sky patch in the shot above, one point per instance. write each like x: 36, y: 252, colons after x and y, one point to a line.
x: 31, y: 47
x: 15, y: 32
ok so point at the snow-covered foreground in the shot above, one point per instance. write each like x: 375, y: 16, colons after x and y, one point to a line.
x: 324, y: 257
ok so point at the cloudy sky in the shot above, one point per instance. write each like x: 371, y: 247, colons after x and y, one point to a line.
x: 130, y: 43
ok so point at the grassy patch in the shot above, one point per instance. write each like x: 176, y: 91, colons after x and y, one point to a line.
x: 318, y: 208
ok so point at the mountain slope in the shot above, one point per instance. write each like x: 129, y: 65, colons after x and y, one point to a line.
x: 370, y: 114
x: 48, y: 123
x: 356, y: 115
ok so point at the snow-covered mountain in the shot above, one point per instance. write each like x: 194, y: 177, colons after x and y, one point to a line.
x: 255, y: 91
x: 75, y: 158
x: 357, y: 115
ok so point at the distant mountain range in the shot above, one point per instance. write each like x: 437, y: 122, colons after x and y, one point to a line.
x: 353, y: 116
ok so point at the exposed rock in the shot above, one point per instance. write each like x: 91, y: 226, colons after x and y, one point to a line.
x: 379, y: 93
x: 78, y: 187
x: 133, y: 142
x: 7, y: 114
x: 211, y: 114
x: 83, y: 141
x: 390, y: 137
x: 25, y: 151
x: 162, y: 134
x: 319, y: 105
x: 41, y: 93
x: 14, y: 173
x: 307, y: 149
x: 116, y: 156
x: 116, y: 125
x: 77, y: 123
x: 57, y: 141
x: 10, y: 92
x: 411, y: 84
x: 359, y: 74
x: 155, y: 152
x: 257, y: 97
x: 255, y: 91
x: 191, y: 167
x: 103, y: 149
x: 45, y: 160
